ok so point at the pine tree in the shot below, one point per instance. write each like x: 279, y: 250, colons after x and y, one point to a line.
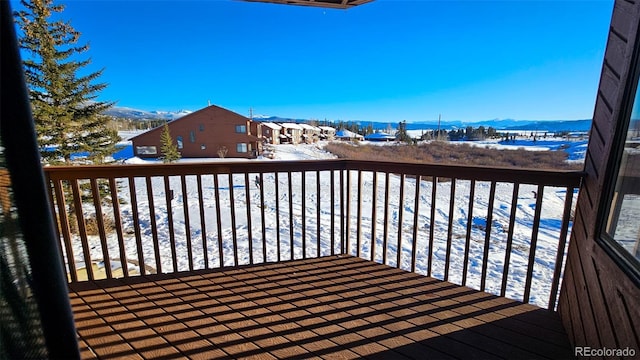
x: 401, y: 134
x: 67, y: 116
x: 168, y: 148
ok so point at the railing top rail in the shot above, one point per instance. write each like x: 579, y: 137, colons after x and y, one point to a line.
x: 204, y: 168
x: 482, y: 173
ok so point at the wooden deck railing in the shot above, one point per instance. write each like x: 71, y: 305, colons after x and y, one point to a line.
x: 498, y: 230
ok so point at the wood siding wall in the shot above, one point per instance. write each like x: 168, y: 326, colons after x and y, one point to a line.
x: 203, y: 133
x: 599, y: 302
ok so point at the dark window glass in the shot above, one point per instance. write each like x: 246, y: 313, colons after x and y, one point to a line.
x: 21, y: 333
x: 146, y: 150
x: 621, y: 227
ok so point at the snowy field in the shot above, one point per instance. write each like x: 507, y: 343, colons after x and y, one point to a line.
x: 245, y: 216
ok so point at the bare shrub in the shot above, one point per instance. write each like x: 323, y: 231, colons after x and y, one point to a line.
x: 222, y: 151
x: 91, y: 225
x: 439, y: 152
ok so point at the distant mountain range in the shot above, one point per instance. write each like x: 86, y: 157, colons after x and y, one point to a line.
x: 510, y: 125
x: 502, y: 125
x: 136, y: 114
x: 498, y: 124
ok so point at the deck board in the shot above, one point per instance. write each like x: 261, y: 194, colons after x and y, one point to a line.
x: 329, y: 307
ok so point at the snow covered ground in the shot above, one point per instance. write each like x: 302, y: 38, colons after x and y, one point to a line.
x: 246, y: 217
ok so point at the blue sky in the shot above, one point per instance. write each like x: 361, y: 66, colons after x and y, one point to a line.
x: 384, y: 61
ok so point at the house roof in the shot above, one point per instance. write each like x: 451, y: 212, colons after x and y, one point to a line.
x: 309, y: 127
x: 343, y: 133
x: 327, y: 128
x: 291, y: 126
x: 338, y: 4
x: 379, y: 136
x: 209, y: 109
x: 272, y: 125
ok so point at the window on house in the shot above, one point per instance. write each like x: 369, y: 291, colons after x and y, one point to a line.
x: 146, y: 150
x: 180, y: 142
x: 241, y: 148
x: 192, y: 136
x: 241, y: 129
x: 203, y: 147
x: 201, y: 127
x: 621, y: 229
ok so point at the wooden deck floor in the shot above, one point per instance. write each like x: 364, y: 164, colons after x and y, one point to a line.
x: 330, y: 307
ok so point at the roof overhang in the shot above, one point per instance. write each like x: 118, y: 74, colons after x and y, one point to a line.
x: 336, y: 4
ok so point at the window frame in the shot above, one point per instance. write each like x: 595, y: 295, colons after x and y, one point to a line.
x: 621, y: 256
x: 238, y: 148
x: 241, y: 127
x: 147, y: 150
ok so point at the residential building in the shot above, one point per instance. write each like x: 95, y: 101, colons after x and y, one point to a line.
x: 271, y: 133
x: 327, y: 133
x: 346, y: 135
x: 206, y: 133
x: 310, y: 133
x: 292, y: 133
x: 255, y: 128
x: 380, y: 137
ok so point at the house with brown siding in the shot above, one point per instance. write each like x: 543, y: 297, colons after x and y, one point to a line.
x: 255, y: 129
x: 204, y: 134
